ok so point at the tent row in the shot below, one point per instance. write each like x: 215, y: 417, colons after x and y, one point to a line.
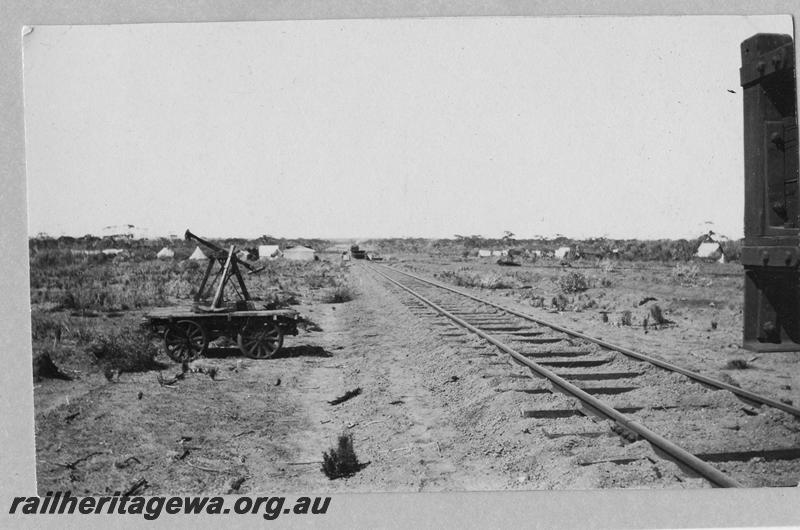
x: 486, y: 253
x: 709, y: 248
x: 297, y: 253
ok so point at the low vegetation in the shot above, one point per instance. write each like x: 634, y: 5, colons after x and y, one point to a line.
x: 686, y: 273
x: 657, y: 316
x: 126, y: 350
x: 87, y: 307
x: 338, y: 295
x: 54, y: 327
x: 341, y: 461
x: 559, y: 302
x: 84, y: 284
x: 737, y: 364
x: 465, y: 277
x: 573, y: 282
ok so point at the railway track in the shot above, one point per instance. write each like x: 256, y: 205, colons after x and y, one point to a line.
x: 728, y: 436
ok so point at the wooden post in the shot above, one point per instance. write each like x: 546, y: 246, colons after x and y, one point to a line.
x: 771, y: 250
x: 199, y: 295
x: 223, y: 280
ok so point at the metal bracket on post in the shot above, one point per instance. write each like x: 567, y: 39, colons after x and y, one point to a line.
x: 771, y: 251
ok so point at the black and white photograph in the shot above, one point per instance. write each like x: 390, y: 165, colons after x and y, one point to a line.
x: 413, y: 255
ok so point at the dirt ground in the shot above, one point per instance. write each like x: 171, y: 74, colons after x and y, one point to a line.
x: 429, y: 416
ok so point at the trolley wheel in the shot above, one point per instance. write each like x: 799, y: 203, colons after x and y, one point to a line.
x: 260, y: 341
x: 185, y: 340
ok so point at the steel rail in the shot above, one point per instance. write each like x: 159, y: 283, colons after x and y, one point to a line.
x: 621, y: 349
x: 706, y: 470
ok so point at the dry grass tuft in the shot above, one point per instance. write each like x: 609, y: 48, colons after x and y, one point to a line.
x: 559, y: 302
x: 341, y: 461
x: 465, y: 277
x: 573, y: 282
x: 126, y: 350
x: 686, y: 273
x: 338, y: 295
x: 657, y: 316
x: 737, y: 364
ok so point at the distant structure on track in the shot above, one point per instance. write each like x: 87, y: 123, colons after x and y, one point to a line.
x: 357, y: 253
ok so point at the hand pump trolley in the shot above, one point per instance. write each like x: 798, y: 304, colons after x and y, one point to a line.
x: 188, y: 330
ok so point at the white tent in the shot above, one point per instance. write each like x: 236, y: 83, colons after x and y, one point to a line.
x: 483, y: 253
x: 299, y: 253
x: 197, y: 255
x: 165, y: 253
x: 710, y: 250
x: 268, y: 251
x: 562, y: 252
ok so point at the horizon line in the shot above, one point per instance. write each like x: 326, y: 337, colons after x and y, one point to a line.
x: 42, y: 235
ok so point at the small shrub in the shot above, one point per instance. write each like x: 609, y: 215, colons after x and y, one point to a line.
x: 686, y: 273
x: 44, y: 326
x: 657, y: 315
x: 732, y: 250
x: 626, y: 318
x: 560, y: 302
x: 537, y: 301
x: 737, y: 364
x: 607, y: 266
x: 534, y: 300
x: 573, y: 282
x: 57, y: 327
x: 127, y: 350
x: 69, y: 301
x: 495, y: 281
x: 585, y: 302
x: 464, y: 277
x: 341, y: 461
x: 191, y: 266
x: 337, y: 295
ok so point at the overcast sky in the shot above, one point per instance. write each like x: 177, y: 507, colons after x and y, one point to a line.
x: 618, y: 127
